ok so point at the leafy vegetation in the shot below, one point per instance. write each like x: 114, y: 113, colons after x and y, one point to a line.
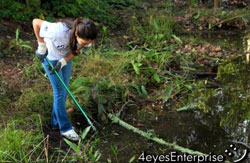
x: 154, y: 31
x: 84, y: 153
x: 97, y: 10
x: 19, y: 44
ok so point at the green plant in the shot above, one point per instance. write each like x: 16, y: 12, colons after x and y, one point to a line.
x: 115, y: 152
x: 104, y: 35
x: 168, y: 6
x: 193, y: 3
x: 84, y: 153
x: 153, y: 32
x: 101, y: 84
x: 132, y: 159
x: 19, y: 44
x: 101, y: 94
x: 33, y: 71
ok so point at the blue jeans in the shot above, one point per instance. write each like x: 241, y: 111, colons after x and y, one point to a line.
x: 59, y: 115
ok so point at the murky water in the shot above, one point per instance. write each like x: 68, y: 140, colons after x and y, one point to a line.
x: 228, y: 105
x: 191, y: 129
x: 220, y: 119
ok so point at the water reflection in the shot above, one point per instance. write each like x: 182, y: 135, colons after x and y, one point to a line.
x: 246, y: 43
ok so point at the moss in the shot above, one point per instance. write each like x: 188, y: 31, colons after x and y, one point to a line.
x: 228, y: 70
x: 202, y: 97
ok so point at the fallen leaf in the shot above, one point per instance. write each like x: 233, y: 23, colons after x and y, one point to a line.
x: 203, y: 50
x: 217, y: 49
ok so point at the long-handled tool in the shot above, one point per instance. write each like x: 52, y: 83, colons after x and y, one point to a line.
x: 71, y: 95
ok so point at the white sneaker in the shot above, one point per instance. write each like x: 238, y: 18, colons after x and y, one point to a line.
x: 71, y: 135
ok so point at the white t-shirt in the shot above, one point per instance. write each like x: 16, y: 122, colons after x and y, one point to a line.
x: 56, y: 36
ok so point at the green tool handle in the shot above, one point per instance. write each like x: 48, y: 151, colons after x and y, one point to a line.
x: 74, y: 99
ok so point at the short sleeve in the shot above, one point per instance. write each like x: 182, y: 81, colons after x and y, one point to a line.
x: 48, y: 30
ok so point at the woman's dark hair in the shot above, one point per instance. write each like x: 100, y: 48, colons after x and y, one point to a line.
x: 84, y: 29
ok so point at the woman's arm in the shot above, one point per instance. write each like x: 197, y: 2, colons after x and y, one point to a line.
x: 69, y: 57
x: 36, y: 26
x: 42, y: 49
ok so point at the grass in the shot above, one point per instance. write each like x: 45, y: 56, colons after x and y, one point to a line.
x: 152, y: 31
x: 17, y: 142
x: 35, y: 100
x: 98, y: 67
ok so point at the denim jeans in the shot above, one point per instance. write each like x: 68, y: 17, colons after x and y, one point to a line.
x: 59, y: 115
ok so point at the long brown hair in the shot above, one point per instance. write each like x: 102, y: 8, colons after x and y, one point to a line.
x: 85, y: 29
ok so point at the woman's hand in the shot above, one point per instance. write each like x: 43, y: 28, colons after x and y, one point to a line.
x: 41, y: 51
x: 59, y: 65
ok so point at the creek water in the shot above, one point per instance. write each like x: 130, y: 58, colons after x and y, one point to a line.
x: 221, y: 118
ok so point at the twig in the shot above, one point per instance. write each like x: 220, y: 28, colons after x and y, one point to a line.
x: 65, y: 155
x: 33, y: 149
x: 123, y: 106
x: 59, y: 152
x: 42, y: 150
x: 187, y: 107
x: 195, y: 72
x: 39, y: 156
x: 45, y: 144
x: 87, y: 144
x: 223, y: 21
x: 46, y: 150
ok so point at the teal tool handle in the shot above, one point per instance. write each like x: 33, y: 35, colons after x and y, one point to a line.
x: 71, y: 95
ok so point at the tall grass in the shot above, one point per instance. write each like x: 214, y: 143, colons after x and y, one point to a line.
x: 152, y: 32
x: 18, y: 139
